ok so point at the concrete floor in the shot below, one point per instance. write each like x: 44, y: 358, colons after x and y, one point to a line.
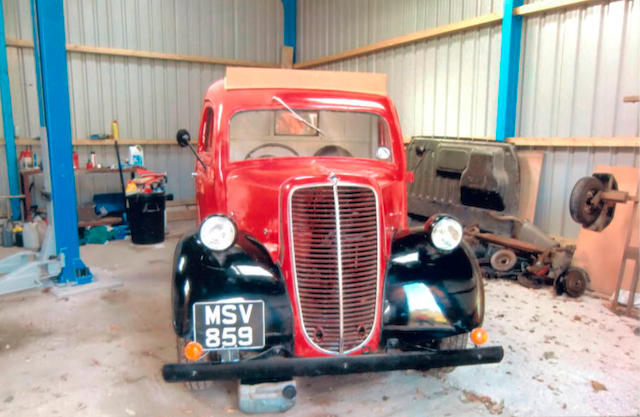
x: 99, y: 354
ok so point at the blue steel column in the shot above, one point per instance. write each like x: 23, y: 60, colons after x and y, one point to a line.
x: 7, y: 123
x: 509, y: 68
x: 54, y: 84
x: 36, y: 53
x: 290, y: 33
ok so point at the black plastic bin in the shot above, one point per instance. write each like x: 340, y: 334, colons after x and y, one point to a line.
x: 145, y: 213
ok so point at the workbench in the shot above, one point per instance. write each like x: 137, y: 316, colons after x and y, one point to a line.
x: 28, y: 180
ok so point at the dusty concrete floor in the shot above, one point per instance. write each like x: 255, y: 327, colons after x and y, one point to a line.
x: 100, y: 354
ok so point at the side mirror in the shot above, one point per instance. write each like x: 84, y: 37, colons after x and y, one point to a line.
x: 183, y: 138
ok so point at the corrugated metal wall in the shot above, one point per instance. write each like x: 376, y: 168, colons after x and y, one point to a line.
x: 444, y: 87
x: 151, y: 99
x: 576, y: 66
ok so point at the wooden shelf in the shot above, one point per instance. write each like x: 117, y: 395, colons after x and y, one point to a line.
x: 102, y: 142
x: 611, y: 142
x: 99, y: 221
x: 83, y: 171
x: 109, y: 142
x: 134, y: 53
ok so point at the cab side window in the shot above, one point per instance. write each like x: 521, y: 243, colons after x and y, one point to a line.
x: 207, y: 128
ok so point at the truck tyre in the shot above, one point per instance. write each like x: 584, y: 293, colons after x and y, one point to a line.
x: 456, y: 342
x: 581, y: 206
x: 191, y: 385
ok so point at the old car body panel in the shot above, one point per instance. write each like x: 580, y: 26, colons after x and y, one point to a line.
x: 257, y: 198
x: 243, y: 271
x: 449, y: 287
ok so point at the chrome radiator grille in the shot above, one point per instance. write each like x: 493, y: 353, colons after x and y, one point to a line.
x: 334, y: 233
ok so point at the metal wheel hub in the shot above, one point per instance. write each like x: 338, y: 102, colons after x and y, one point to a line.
x: 503, y: 260
x: 575, y: 283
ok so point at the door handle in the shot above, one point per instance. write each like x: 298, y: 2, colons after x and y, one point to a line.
x: 195, y: 174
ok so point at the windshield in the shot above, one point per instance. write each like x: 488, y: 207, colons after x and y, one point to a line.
x: 281, y: 133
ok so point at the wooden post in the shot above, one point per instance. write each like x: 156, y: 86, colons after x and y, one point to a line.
x: 286, y: 58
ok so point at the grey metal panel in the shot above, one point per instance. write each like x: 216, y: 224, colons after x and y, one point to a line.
x: 442, y: 87
x: 330, y: 26
x: 142, y: 94
x: 149, y: 98
x: 577, y: 65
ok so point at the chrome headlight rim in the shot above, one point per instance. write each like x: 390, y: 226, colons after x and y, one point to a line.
x: 207, y: 223
x: 433, y: 228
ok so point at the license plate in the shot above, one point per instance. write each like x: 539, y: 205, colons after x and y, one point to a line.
x: 229, y: 325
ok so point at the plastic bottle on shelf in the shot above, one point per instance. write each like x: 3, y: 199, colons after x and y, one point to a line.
x: 114, y: 129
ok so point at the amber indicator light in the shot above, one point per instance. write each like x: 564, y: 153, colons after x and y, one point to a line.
x: 479, y: 336
x: 193, y: 351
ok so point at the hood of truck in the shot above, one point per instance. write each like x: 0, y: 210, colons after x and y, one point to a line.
x: 254, y: 190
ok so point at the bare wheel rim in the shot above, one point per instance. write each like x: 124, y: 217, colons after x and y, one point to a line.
x: 575, y: 283
x: 503, y: 260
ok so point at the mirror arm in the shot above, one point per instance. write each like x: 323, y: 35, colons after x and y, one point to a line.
x: 198, y: 157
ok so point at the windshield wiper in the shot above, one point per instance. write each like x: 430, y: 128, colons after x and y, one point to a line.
x: 297, y: 116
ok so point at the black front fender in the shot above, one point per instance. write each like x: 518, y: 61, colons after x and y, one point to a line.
x: 427, y: 290
x: 243, y: 271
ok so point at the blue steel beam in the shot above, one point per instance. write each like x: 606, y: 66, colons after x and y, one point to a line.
x: 54, y: 85
x: 509, y: 69
x: 7, y: 123
x: 290, y: 32
x: 36, y: 52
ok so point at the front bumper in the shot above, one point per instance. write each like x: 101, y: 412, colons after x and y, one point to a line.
x: 280, y: 368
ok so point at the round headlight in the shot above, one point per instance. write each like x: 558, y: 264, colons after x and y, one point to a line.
x: 218, y: 232
x: 446, y: 233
